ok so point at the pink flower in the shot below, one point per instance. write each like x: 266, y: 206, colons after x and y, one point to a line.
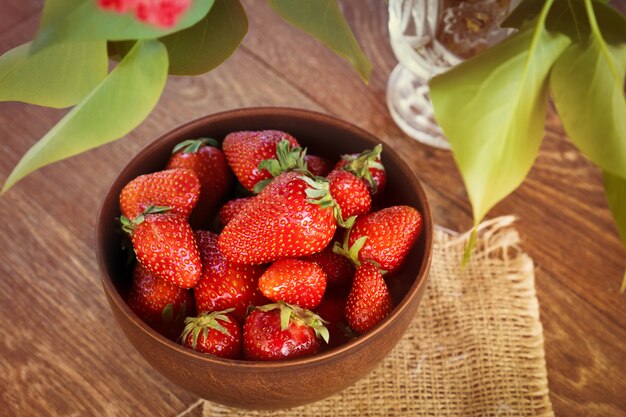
x: 162, y: 13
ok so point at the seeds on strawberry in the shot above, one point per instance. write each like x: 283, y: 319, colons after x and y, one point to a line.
x: 159, y: 303
x: 224, y: 285
x: 165, y: 246
x: 280, y: 331
x: 295, y: 282
x: 288, y: 219
x: 208, y: 162
x: 246, y: 150
x: 350, y: 193
x: 387, y: 236
x: 216, y: 333
x: 231, y: 209
x: 338, y: 269
x: 178, y: 189
x: 369, y: 300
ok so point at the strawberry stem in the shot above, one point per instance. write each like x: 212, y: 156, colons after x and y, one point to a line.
x: 352, y: 252
x: 319, y: 193
x: 300, y: 316
x: 288, y: 158
x: 204, y: 322
x: 193, y: 145
x: 128, y: 226
x: 360, y: 165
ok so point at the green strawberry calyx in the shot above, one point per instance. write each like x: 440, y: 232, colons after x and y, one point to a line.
x: 352, y: 252
x: 129, y: 225
x: 193, y: 145
x: 300, y: 316
x: 360, y: 165
x: 318, y: 191
x: 202, y: 324
x: 288, y: 158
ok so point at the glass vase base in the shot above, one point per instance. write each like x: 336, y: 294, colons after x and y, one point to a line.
x: 409, y: 103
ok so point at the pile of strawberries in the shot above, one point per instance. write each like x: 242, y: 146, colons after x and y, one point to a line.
x: 300, y: 262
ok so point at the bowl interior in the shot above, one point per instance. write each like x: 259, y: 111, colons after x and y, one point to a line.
x: 322, y: 135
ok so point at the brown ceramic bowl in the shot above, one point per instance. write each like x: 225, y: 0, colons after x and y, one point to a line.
x: 269, y: 385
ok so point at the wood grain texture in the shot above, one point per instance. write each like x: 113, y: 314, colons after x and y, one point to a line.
x: 63, y: 355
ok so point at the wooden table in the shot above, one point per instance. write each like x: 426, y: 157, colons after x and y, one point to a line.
x: 63, y: 355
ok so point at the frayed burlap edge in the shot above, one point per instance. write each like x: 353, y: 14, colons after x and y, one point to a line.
x: 475, y: 347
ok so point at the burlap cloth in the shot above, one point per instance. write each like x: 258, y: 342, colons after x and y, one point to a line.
x: 475, y: 347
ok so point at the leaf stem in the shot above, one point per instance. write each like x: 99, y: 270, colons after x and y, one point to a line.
x: 595, y: 30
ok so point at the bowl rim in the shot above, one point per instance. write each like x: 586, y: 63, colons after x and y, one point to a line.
x: 319, y: 358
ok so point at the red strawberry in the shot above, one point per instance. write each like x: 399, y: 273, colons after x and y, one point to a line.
x: 232, y: 208
x: 165, y: 246
x: 332, y: 310
x: 246, y: 150
x: 216, y: 333
x: 350, y: 193
x: 384, y: 236
x: 317, y: 165
x: 224, y: 284
x: 279, y: 331
x: 339, y: 270
x: 208, y: 162
x: 295, y: 282
x: 294, y: 216
x: 368, y: 167
x: 159, y: 303
x: 369, y: 300
x: 175, y: 188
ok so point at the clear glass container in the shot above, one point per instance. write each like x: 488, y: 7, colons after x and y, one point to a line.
x: 428, y: 37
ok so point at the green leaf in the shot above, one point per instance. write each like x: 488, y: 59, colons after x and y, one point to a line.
x: 209, y: 42
x: 492, y: 109
x: 323, y: 20
x: 111, y: 110
x: 84, y: 20
x: 588, y: 88
x: 285, y: 315
x: 615, y: 189
x: 570, y: 18
x: 57, y: 77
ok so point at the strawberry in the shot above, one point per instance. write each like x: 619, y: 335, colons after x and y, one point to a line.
x: 224, y: 285
x: 159, y: 303
x: 246, y: 150
x: 208, y: 162
x: 164, y: 244
x: 280, y: 331
x: 295, y: 282
x: 369, y: 300
x: 232, y: 208
x: 216, y: 333
x: 368, y: 167
x: 332, y: 310
x: 385, y: 237
x: 160, y: 13
x: 294, y: 216
x: 178, y: 189
x: 350, y: 193
x: 338, y: 269
x: 317, y: 165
